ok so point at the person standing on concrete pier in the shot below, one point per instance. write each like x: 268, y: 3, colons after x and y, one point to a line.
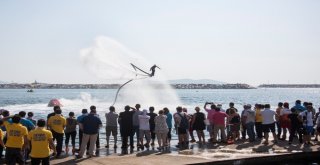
x: 268, y: 124
x: 111, y: 126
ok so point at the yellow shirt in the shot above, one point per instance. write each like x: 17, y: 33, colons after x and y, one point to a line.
x: 40, y: 142
x: 1, y: 134
x: 258, y: 115
x: 15, y: 134
x: 57, y: 123
x: 6, y: 123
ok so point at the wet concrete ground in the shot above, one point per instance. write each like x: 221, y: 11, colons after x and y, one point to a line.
x: 195, y: 153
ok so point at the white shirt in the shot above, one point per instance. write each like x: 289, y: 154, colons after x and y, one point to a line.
x: 285, y: 111
x: 268, y: 116
x: 111, y: 119
x: 250, y: 114
x: 144, y: 122
x: 309, y: 118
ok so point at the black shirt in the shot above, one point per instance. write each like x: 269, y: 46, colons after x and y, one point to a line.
x: 294, y: 120
x: 125, y: 122
x: 228, y: 110
x: 152, y: 117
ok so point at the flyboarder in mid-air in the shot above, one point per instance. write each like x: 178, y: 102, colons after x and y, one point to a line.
x: 142, y: 75
x: 153, y: 70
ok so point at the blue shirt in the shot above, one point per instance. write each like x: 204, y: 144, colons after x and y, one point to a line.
x: 299, y: 107
x: 79, y: 119
x: 91, y: 124
x: 169, y: 120
x: 27, y: 123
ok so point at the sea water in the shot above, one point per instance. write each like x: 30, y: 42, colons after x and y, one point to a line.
x: 75, y: 100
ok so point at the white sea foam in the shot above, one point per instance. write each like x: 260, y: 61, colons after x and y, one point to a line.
x: 109, y: 59
x: 83, y: 100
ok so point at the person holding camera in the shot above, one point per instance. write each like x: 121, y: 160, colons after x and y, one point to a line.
x: 210, y: 112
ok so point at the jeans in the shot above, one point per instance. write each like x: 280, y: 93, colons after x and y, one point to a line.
x: 153, y: 134
x: 59, y: 138
x: 243, y: 131
x: 278, y: 128
x: 250, y: 131
x: 293, y: 130
x: 125, y: 141
x: 135, y: 131
x: 169, y: 134
x: 80, y: 137
x: 98, y: 141
x: 259, y: 129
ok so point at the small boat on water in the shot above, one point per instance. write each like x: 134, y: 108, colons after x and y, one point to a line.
x: 32, y: 86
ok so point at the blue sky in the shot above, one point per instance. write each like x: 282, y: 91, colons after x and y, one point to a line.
x: 242, y: 41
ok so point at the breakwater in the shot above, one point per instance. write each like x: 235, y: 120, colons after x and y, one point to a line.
x: 115, y: 86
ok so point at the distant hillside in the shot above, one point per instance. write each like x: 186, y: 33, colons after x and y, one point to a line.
x: 289, y: 86
x: 192, y: 81
x: 2, y: 82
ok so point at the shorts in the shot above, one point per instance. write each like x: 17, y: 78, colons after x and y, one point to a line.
x: 182, y: 131
x: 144, y: 132
x: 111, y: 130
x: 269, y: 127
x: 43, y: 161
x: 308, y: 130
x: 285, y: 124
x: 14, y: 155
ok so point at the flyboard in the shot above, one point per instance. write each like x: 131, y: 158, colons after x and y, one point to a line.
x: 140, y: 74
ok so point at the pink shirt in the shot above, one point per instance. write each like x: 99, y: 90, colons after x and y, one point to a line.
x: 210, y: 114
x: 218, y: 118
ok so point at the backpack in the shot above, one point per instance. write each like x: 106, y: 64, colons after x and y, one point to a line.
x: 184, y: 123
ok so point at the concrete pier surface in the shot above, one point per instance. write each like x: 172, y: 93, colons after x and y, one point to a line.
x: 241, y: 152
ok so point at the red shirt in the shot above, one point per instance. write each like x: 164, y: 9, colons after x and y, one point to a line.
x: 218, y: 117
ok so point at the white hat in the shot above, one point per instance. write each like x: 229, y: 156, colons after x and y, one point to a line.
x: 144, y: 111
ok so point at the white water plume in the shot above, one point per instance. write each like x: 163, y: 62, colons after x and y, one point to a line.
x: 110, y: 60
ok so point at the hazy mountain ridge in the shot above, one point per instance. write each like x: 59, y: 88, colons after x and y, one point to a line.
x: 116, y: 86
x: 195, y: 81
